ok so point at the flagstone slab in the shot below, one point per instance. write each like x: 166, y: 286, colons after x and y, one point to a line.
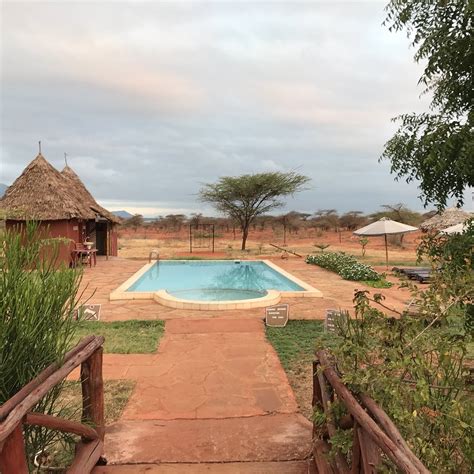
x: 280, y: 437
x: 283, y: 467
x: 217, y: 374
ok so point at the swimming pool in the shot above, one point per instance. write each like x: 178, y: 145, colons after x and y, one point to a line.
x: 213, y: 284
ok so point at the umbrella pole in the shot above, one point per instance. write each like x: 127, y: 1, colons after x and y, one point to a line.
x: 386, y: 250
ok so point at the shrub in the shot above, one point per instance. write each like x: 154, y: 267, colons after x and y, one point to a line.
x: 345, y: 265
x: 415, y: 365
x: 36, y: 319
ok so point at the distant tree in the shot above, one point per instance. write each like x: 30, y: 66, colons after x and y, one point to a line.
x: 196, y: 218
x: 245, y: 197
x: 352, y: 220
x: 438, y: 147
x: 399, y: 212
x: 134, y: 222
x: 175, y: 221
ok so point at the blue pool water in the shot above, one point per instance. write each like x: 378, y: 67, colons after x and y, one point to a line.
x: 213, y: 280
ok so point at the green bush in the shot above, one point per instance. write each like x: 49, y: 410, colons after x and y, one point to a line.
x: 345, y: 265
x: 37, y: 300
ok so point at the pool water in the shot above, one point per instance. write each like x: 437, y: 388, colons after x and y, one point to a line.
x: 213, y: 280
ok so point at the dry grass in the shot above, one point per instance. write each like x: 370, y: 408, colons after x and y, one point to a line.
x: 116, y: 395
x: 138, y: 245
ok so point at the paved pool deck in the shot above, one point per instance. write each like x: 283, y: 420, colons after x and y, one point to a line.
x: 99, y: 281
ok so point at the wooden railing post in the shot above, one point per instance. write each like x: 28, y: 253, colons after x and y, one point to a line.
x: 93, y: 392
x: 12, y: 453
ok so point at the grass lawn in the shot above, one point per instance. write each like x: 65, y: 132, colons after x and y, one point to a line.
x: 295, y: 346
x: 124, y: 337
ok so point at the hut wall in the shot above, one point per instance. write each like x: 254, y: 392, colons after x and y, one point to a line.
x: 113, y: 240
x: 69, y: 229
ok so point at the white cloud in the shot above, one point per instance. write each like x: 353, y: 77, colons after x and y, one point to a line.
x: 152, y: 99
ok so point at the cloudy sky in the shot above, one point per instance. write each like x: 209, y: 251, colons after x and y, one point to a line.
x: 152, y: 99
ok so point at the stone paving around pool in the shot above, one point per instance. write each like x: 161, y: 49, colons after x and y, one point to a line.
x: 100, y: 281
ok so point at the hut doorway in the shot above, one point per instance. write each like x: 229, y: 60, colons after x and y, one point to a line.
x: 101, y: 234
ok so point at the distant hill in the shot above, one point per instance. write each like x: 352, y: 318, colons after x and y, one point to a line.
x: 3, y: 188
x: 122, y: 214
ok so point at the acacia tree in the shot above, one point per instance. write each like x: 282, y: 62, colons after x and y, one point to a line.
x: 245, y: 197
x: 437, y: 147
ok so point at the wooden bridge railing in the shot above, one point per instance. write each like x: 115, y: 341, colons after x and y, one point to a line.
x: 15, y: 412
x: 373, y: 430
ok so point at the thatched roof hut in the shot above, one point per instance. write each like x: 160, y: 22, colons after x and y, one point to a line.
x: 41, y: 193
x: 446, y: 218
x: 64, y: 208
x: 80, y: 192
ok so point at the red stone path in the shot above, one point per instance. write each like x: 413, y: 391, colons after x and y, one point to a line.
x: 214, y: 393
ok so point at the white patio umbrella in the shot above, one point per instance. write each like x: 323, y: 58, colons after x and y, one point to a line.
x: 385, y: 226
x: 454, y: 229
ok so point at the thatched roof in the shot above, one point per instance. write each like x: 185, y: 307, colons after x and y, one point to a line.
x: 80, y: 192
x: 41, y: 192
x: 446, y: 218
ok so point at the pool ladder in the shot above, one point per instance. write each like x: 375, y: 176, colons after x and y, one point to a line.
x: 154, y: 252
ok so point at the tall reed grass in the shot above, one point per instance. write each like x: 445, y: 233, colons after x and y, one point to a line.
x: 37, y: 301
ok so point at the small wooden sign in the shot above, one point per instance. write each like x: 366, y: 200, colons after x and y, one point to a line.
x: 88, y: 312
x: 277, y: 316
x: 329, y: 321
x: 334, y: 316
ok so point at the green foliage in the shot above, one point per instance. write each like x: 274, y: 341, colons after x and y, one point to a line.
x: 363, y: 241
x: 437, y: 147
x: 36, y: 318
x: 243, y: 198
x: 377, y: 283
x: 414, y: 366
x: 345, y: 265
x: 123, y: 337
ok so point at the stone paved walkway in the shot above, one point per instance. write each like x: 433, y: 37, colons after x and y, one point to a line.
x: 215, y: 392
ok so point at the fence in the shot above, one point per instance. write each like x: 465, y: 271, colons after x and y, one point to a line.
x: 374, y: 432
x: 15, y: 412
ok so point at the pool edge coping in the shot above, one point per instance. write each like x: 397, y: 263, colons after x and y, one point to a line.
x: 164, y: 298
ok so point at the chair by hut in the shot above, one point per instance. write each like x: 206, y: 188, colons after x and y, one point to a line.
x: 61, y: 206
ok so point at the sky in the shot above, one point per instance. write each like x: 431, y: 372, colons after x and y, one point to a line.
x: 152, y: 99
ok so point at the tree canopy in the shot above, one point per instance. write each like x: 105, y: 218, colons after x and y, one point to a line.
x: 437, y: 148
x: 245, y: 197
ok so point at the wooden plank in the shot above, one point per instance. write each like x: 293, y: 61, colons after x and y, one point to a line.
x: 27, y: 389
x: 321, y: 457
x: 393, y: 451
x: 341, y: 463
x: 61, y: 424
x: 370, y: 452
x: 391, y: 430
x: 87, y: 455
x: 17, y: 414
x: 13, y: 455
x: 356, y: 466
x: 93, y: 392
x: 286, y: 250
x: 317, y: 400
